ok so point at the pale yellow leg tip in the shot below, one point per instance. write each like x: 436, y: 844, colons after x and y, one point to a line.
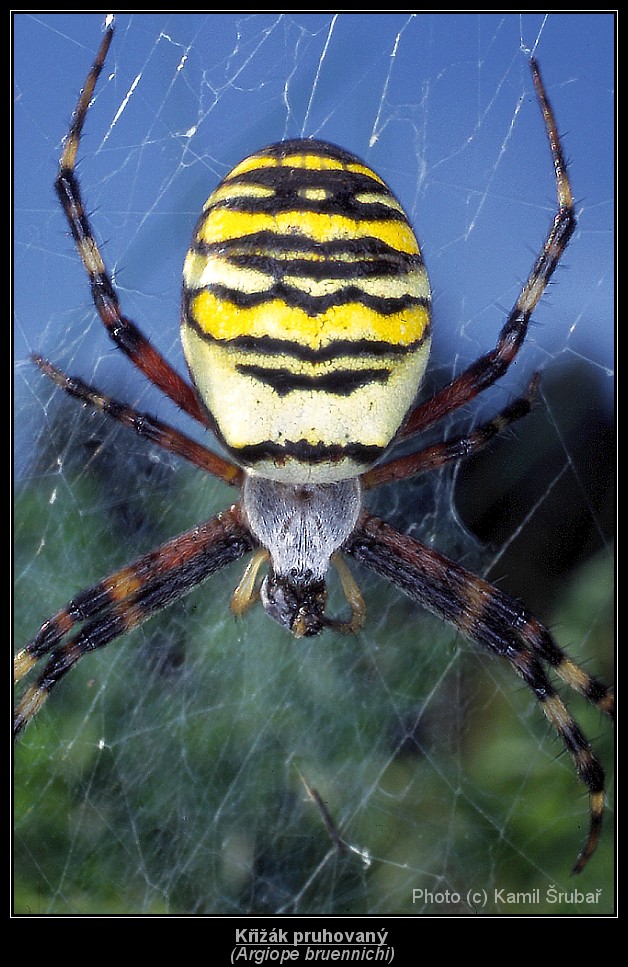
x: 28, y: 706
x: 22, y: 664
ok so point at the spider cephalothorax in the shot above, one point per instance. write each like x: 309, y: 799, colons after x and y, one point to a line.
x: 301, y: 527
x: 306, y: 328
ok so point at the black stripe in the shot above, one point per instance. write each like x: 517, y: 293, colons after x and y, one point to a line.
x: 397, y: 265
x: 312, y: 453
x: 596, y: 692
x: 341, y: 382
x: 290, y: 180
x: 69, y: 195
x: 88, y: 603
x: 314, y: 305
x: 269, y: 243
x: 103, y: 292
x: 341, y: 203
x: 338, y: 349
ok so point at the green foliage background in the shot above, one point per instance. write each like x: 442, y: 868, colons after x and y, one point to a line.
x: 170, y: 773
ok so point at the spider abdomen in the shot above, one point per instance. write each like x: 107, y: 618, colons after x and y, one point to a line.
x: 306, y: 313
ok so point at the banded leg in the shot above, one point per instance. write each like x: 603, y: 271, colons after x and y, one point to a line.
x: 124, y: 600
x: 144, y: 425
x: 124, y: 333
x: 500, y: 624
x: 432, y: 457
x: 490, y: 367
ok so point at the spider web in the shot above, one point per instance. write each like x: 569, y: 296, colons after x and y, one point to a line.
x: 170, y: 774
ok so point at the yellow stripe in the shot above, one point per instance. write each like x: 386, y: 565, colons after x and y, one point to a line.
x: 314, y: 194
x: 575, y: 677
x: 228, y: 192
x: 221, y: 225
x: 556, y: 711
x: 369, y: 198
x: 388, y: 287
x: 223, y: 320
x: 125, y: 585
x: 199, y: 271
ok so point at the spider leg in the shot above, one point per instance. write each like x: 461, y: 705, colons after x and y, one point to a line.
x: 432, y: 457
x: 143, y: 424
x: 500, y: 624
x: 124, y: 600
x: 124, y: 333
x: 492, y: 366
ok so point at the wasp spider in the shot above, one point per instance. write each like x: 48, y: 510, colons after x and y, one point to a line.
x: 306, y: 329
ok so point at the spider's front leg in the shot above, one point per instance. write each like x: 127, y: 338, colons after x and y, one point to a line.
x: 492, y: 365
x: 500, y: 624
x: 126, y: 335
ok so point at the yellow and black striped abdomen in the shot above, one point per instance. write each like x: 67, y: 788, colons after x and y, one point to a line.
x: 306, y: 312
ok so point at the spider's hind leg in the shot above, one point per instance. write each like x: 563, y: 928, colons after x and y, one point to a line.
x: 500, y: 624
x: 124, y: 600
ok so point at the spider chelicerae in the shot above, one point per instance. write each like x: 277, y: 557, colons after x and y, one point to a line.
x: 306, y: 328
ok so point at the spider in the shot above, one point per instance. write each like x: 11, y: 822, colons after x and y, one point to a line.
x: 306, y: 329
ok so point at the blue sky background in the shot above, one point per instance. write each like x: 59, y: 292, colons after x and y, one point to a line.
x: 440, y: 104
